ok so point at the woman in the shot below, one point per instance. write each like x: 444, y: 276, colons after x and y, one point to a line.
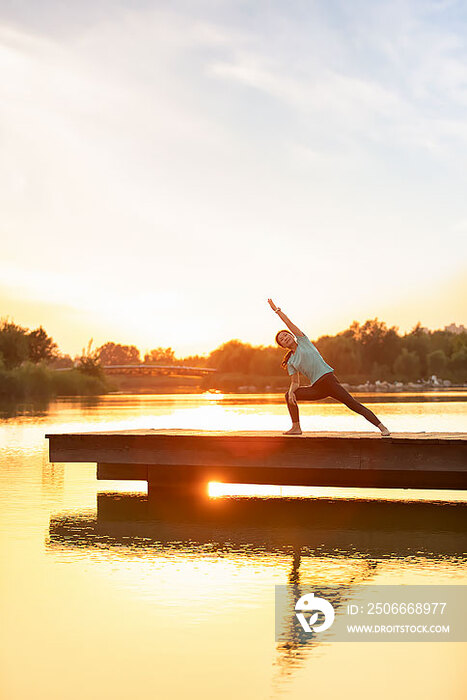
x: 302, y: 356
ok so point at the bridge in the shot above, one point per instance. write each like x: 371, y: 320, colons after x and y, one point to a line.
x: 151, y: 369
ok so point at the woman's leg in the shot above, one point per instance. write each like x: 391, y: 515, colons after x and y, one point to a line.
x: 337, y: 391
x: 303, y: 393
x: 293, y: 410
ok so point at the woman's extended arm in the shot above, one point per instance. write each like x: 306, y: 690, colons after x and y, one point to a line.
x: 291, y: 326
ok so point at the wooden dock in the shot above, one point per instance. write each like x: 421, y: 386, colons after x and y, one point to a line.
x: 184, y: 458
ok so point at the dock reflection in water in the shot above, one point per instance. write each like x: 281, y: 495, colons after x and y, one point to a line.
x: 333, y: 527
x: 359, y: 533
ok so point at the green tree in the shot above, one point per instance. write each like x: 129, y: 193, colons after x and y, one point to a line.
x: 266, y: 361
x: 341, y: 352
x: 89, y: 362
x: 160, y: 356
x: 116, y: 354
x: 378, y: 343
x: 41, y: 346
x: 194, y: 361
x: 14, y: 346
x: 459, y: 341
x: 233, y: 356
x: 418, y: 341
x: 458, y: 365
x: 437, y: 363
x: 443, y: 340
x: 381, y: 372
x: 407, y: 366
x: 61, y: 362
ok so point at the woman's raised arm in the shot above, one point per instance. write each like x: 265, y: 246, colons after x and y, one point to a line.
x: 291, y: 326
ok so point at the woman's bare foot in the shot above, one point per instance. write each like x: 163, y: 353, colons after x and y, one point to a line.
x: 384, y: 431
x: 294, y: 430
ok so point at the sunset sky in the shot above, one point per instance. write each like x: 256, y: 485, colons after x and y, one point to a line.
x: 167, y: 166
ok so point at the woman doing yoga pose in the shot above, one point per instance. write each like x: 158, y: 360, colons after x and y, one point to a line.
x: 302, y: 356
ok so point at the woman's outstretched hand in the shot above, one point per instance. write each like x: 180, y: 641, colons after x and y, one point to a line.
x: 272, y: 304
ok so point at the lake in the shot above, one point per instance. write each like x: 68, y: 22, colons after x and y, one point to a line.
x: 104, y: 597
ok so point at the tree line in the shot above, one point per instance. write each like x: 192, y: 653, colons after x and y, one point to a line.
x: 27, y: 362
x: 367, y: 351
x: 363, y: 351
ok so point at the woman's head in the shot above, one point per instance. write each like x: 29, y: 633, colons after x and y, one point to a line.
x: 285, y: 339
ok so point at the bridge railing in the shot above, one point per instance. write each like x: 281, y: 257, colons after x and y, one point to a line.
x: 157, y: 369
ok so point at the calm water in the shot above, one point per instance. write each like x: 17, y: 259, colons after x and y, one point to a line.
x: 104, y: 597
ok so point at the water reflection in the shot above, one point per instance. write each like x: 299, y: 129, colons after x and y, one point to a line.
x: 316, y: 532
x: 97, y: 609
x: 336, y: 528
x: 11, y: 408
x: 294, y: 643
x: 53, y: 478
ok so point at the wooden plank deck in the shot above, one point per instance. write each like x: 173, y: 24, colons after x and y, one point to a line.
x: 187, y: 457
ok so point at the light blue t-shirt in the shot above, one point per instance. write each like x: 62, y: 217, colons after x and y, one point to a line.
x: 307, y: 360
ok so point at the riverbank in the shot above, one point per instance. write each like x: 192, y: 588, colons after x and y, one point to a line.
x: 229, y: 383
x: 36, y: 381
x: 31, y: 381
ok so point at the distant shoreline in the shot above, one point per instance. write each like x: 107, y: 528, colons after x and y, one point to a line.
x: 406, y: 395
